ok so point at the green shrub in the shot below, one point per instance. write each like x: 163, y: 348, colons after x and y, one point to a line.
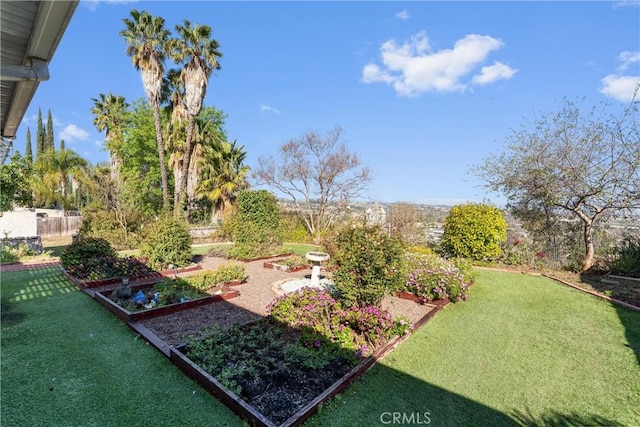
x: 227, y: 231
x: 206, y: 280
x: 229, y: 272
x: 85, y: 249
x: 89, y: 258
x: 294, y: 260
x: 167, y: 242
x: 474, y: 231
x: 122, y: 231
x: 257, y: 223
x: 244, y: 251
x: 423, y: 250
x: 368, y: 264
x: 8, y: 255
x: 627, y: 258
x: 294, y: 228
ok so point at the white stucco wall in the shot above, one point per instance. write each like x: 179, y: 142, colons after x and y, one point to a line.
x: 18, y: 224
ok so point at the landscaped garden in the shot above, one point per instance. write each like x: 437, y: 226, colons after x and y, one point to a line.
x: 529, y: 350
x: 522, y: 349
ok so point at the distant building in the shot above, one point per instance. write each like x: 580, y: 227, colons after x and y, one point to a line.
x: 375, y: 214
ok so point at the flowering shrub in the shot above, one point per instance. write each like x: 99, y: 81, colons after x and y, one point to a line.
x: 374, y: 324
x: 432, y: 278
x: 322, y: 319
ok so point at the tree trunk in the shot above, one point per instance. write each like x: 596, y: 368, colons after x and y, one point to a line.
x: 166, y: 202
x: 186, y: 160
x: 177, y: 179
x: 194, y: 173
x: 589, y: 254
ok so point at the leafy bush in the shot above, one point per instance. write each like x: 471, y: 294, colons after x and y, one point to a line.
x: 93, y: 259
x: 121, y: 230
x: 424, y: 250
x: 324, y: 320
x: 521, y: 253
x: 294, y: 228
x: 167, y: 242
x: 432, y: 278
x: 257, y: 223
x: 294, y: 260
x: 474, y: 231
x: 8, y: 255
x: 243, y: 251
x: 229, y: 272
x: 627, y: 258
x: 12, y: 252
x: 84, y: 254
x: 368, y: 264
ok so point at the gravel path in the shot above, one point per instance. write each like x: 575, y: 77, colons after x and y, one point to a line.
x: 255, y: 295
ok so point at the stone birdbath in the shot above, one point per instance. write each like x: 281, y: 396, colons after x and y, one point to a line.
x: 316, y: 258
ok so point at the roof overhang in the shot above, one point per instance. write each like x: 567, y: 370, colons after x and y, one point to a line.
x: 30, y: 33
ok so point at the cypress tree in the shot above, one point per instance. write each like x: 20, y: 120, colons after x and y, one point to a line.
x: 28, y: 151
x: 48, y: 139
x: 62, y: 145
x: 39, y: 136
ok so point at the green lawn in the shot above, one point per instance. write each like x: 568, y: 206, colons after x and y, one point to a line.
x: 65, y: 361
x: 523, y: 350
x: 204, y: 249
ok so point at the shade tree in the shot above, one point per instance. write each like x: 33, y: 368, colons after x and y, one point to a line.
x: 318, y: 173
x: 569, y: 165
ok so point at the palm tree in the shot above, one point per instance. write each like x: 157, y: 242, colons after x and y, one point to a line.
x: 57, y: 170
x: 199, y: 53
x: 223, y: 175
x: 173, y: 93
x: 147, y: 39
x: 109, y: 115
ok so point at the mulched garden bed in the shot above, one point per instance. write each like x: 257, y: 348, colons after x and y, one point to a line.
x: 127, y: 315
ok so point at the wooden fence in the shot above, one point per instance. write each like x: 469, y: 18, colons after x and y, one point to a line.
x: 59, y: 226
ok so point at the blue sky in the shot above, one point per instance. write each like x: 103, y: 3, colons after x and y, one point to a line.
x: 422, y: 90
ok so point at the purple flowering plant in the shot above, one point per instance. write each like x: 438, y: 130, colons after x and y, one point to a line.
x: 323, y: 319
x: 432, y: 278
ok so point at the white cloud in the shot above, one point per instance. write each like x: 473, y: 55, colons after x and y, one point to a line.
x: 621, y: 88
x: 404, y: 15
x: 412, y: 68
x: 73, y: 133
x: 269, y: 109
x: 627, y: 58
x: 491, y: 73
x: 626, y: 3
